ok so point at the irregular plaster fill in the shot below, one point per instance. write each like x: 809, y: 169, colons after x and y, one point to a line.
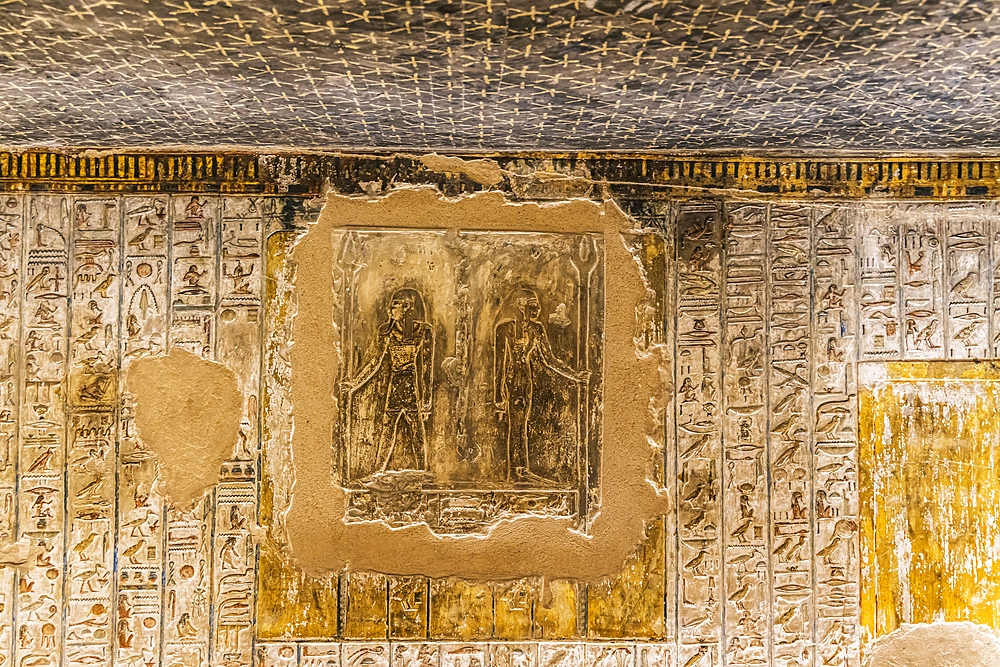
x: 187, y: 413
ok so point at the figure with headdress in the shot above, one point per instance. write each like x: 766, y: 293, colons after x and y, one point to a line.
x: 522, y: 352
x: 390, y: 402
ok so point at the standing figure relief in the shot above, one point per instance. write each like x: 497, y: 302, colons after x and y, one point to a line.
x: 391, y: 395
x: 521, y: 350
x: 469, y: 382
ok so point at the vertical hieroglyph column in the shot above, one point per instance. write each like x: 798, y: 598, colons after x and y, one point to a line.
x: 834, y: 510
x: 878, y: 303
x: 697, y: 406
x: 238, y: 344
x: 11, y: 229
x: 663, y: 323
x: 992, y: 212
x: 94, y: 287
x: 145, y: 294
x: 187, y: 617
x: 790, y: 462
x: 39, y: 627
x: 923, y: 291
x: 744, y: 418
x: 966, y: 283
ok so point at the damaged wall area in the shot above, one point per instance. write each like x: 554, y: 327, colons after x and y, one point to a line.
x: 940, y: 644
x: 624, y: 493
x: 929, y: 452
x: 694, y: 495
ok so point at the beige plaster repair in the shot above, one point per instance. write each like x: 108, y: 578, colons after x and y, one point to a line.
x: 187, y: 412
x: 322, y: 542
x: 937, y: 645
x: 19, y: 554
x: 484, y: 172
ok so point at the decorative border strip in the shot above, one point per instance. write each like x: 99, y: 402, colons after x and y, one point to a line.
x: 610, y: 653
x: 309, y: 174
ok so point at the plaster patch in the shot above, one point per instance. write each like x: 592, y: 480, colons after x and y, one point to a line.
x: 937, y: 645
x: 485, y: 172
x: 188, y: 413
x: 321, y: 540
x: 19, y: 554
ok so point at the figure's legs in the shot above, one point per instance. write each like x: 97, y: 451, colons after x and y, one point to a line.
x: 392, y: 446
x: 420, y: 447
x: 416, y: 437
x: 391, y: 437
x: 518, y: 434
x: 509, y: 438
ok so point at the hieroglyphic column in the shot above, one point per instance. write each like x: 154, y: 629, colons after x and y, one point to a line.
x: 11, y: 228
x: 238, y: 344
x: 188, y: 573
x: 658, y: 328
x: 924, y: 292
x: 880, y: 315
x: 966, y: 281
x: 697, y: 406
x: 790, y: 462
x: 834, y: 511
x: 744, y: 462
x: 992, y: 211
x: 145, y: 277
x: 41, y: 478
x: 95, y: 287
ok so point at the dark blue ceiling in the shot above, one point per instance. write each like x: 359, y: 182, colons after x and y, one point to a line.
x: 578, y: 75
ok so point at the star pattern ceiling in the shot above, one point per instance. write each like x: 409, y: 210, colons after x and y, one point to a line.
x: 576, y: 75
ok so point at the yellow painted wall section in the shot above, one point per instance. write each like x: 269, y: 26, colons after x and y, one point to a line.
x: 930, y: 495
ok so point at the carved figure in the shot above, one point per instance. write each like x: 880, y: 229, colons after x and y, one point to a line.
x: 238, y: 275
x: 195, y: 210
x: 962, y: 286
x: 193, y: 276
x: 390, y: 403
x: 82, y: 218
x: 521, y: 348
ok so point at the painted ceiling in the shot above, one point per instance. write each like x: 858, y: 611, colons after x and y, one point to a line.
x: 571, y: 75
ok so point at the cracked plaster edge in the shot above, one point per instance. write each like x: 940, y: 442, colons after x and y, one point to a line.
x: 485, y: 172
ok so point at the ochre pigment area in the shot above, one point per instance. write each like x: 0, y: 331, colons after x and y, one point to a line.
x: 187, y: 413
x: 930, y: 494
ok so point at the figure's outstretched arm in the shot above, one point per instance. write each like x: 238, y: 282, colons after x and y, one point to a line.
x: 425, y: 366
x: 554, y: 363
x: 499, y: 361
x: 369, y: 371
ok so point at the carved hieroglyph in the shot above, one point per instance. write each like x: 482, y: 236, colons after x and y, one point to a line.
x: 471, y: 375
